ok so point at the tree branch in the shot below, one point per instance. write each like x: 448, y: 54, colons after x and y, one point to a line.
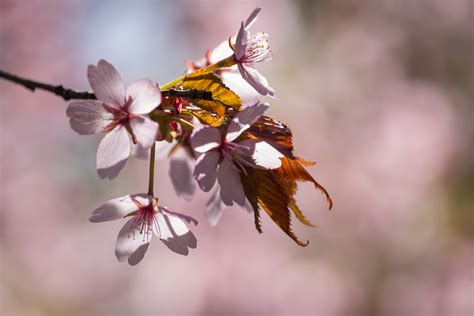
x: 69, y: 94
x: 66, y: 94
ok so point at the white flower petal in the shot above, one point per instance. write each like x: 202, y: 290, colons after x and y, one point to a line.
x: 205, y: 171
x: 231, y: 187
x: 256, y: 80
x: 106, y: 83
x: 113, y: 152
x: 131, y: 240
x: 221, y: 51
x: 205, y: 138
x: 146, y: 96
x: 138, y: 254
x: 263, y: 154
x: 234, y: 80
x: 180, y: 173
x: 174, y: 233
x: 170, y: 226
x: 252, y: 18
x: 118, y: 208
x: 88, y: 117
x: 243, y: 120
x: 185, y: 218
x: 215, y: 208
x: 241, y: 42
x: 144, y: 130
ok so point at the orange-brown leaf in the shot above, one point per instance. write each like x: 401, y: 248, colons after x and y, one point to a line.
x: 272, y: 197
x: 273, y: 132
x: 292, y: 170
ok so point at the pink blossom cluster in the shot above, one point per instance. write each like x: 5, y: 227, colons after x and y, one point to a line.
x: 138, y: 120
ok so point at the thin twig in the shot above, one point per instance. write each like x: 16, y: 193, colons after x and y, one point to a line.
x: 66, y: 94
x: 69, y: 94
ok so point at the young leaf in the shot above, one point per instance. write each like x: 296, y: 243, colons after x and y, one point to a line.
x: 293, y: 170
x: 273, y: 132
x: 222, y: 97
x: 264, y: 187
x: 206, y: 117
x: 290, y: 188
x: 274, y: 190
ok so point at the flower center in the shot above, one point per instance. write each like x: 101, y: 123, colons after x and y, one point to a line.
x: 257, y: 49
x: 238, y: 155
x: 143, y: 222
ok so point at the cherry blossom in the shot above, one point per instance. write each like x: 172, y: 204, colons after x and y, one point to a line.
x: 146, y: 219
x: 118, y: 111
x: 230, y: 76
x: 247, y: 51
x: 224, y: 157
x: 253, y: 49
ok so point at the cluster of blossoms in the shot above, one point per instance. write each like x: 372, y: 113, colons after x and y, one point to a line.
x: 213, y: 127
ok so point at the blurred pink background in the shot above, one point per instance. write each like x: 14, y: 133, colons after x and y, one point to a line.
x: 379, y: 93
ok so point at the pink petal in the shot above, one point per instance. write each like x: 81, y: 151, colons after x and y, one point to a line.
x: 264, y: 155
x: 242, y: 88
x: 170, y: 226
x: 162, y: 150
x: 88, y: 117
x: 145, y: 95
x: 144, y: 130
x: 118, y: 208
x: 215, y: 208
x: 243, y: 120
x: 252, y: 18
x: 256, y: 80
x: 131, y: 243
x: 138, y: 254
x: 241, y: 42
x: 186, y: 218
x: 205, y: 138
x: 113, y: 152
x: 180, y: 173
x: 231, y: 187
x: 243, y: 34
x: 205, y: 171
x: 106, y: 83
x: 221, y: 51
x: 175, y: 234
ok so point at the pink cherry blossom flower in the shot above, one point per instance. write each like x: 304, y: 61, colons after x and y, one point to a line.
x: 224, y: 157
x: 250, y: 50
x: 146, y: 219
x: 230, y: 76
x: 118, y: 111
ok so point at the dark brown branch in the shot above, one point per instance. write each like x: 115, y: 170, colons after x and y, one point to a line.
x: 188, y: 94
x: 66, y: 94
x: 69, y: 94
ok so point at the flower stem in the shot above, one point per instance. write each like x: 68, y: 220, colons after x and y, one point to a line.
x: 151, y: 175
x: 183, y: 122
